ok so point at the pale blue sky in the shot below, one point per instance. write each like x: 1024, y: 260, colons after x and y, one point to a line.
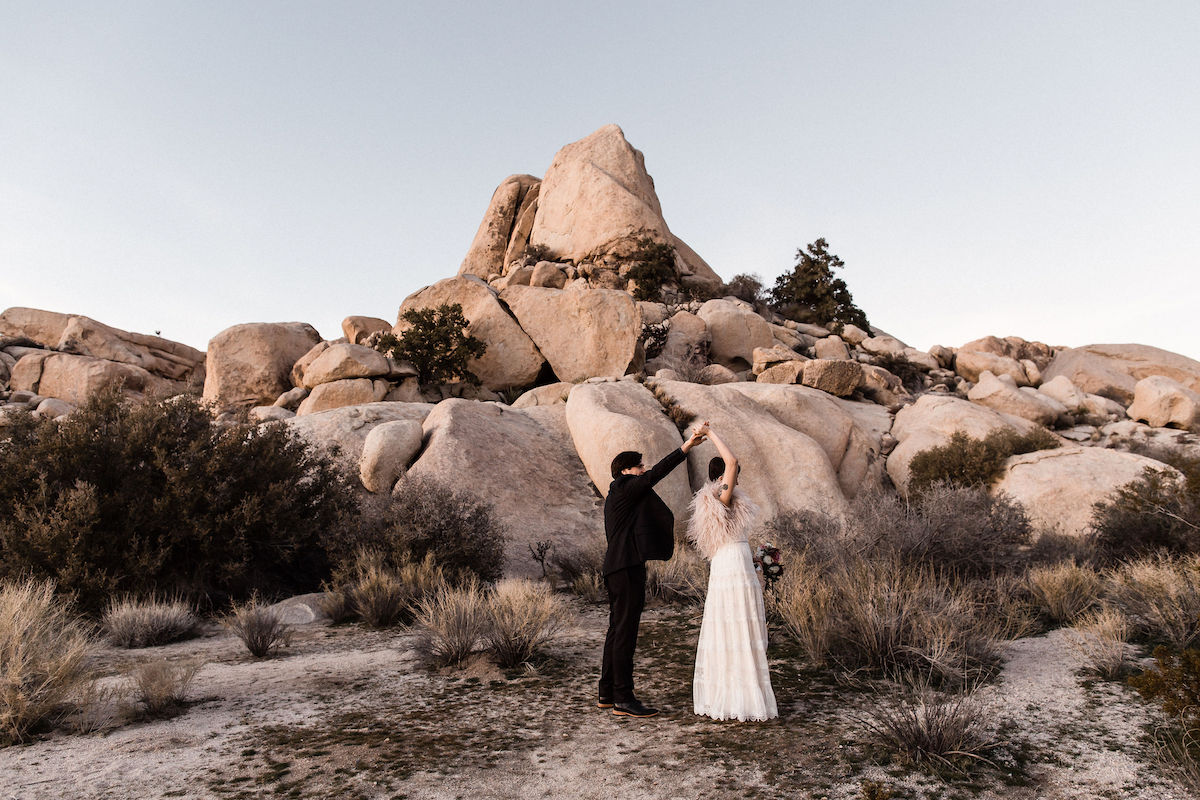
x: 982, y: 168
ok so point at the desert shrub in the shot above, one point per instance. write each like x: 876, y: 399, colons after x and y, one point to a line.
x: 452, y: 622
x: 258, y: 626
x: 435, y: 341
x: 1161, y: 596
x: 748, y: 288
x: 810, y: 534
x: 932, y: 728
x: 811, y: 293
x: 1156, y: 513
x: 1174, y: 683
x: 128, y: 622
x: 690, y: 366
x: 885, y: 615
x: 969, y: 531
x: 382, y: 595
x: 460, y: 531
x: 161, y: 686
x: 682, y: 579
x: 967, y: 461
x: 1053, y: 547
x: 912, y: 376
x: 523, y: 618
x: 654, y: 338
x: 1064, y: 591
x: 652, y: 267
x: 129, y: 498
x: 44, y: 652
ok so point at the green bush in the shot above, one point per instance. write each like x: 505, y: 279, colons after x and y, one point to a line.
x: 436, y: 343
x: 811, y: 293
x: 425, y: 517
x: 654, y: 338
x: 653, y: 266
x: 911, y: 376
x: 1154, y: 514
x: 136, y: 498
x: 967, y: 461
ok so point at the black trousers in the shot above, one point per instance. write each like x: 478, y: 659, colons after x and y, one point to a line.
x: 626, y: 599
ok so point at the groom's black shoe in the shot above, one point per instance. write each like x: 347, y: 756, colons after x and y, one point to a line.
x: 633, y: 708
x: 604, y: 702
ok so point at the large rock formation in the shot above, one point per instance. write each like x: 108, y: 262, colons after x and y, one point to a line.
x: 91, y: 355
x: 735, y: 330
x: 347, y: 428
x: 511, y: 358
x: 583, y: 332
x: 76, y: 378
x: 597, y: 199
x: 516, y: 195
x: 1161, y: 402
x: 251, y: 364
x: 783, y: 468
x: 1059, y: 487
x: 608, y: 418
x: 523, y: 462
x: 1113, y: 370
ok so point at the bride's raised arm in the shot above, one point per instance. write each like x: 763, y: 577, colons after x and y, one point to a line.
x: 729, y: 479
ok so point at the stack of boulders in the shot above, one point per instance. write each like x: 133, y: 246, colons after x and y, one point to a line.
x: 52, y: 362
x: 818, y: 414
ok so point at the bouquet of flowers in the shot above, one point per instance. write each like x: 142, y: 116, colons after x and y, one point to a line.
x: 768, y: 561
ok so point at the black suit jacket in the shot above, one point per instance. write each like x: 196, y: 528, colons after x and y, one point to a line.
x: 637, y: 523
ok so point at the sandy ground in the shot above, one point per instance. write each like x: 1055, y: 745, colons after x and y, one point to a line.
x: 351, y: 713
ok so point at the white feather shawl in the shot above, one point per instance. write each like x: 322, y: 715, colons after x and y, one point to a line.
x: 713, y: 524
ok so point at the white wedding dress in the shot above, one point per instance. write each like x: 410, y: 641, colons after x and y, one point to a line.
x: 731, y: 679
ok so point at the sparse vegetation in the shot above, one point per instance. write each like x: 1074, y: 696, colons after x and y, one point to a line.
x: 44, y: 652
x: 435, y: 341
x: 129, y: 622
x: 811, y: 293
x: 654, y: 337
x: 682, y: 579
x: 967, y: 461
x: 383, y: 595
x: 748, y: 288
x: 258, y: 626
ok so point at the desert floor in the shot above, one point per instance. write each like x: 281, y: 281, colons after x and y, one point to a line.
x: 347, y: 712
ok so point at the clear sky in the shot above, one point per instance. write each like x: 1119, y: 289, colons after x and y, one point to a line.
x: 1025, y: 168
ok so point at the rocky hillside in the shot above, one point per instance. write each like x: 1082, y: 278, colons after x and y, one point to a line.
x: 566, y: 380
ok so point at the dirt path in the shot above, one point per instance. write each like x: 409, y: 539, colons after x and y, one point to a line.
x: 350, y: 713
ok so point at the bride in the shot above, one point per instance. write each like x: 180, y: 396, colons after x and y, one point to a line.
x: 731, y: 679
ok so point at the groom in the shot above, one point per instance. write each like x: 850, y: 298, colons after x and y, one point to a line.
x: 639, y: 527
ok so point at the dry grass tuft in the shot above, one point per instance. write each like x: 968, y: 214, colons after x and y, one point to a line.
x: 382, y: 596
x: 259, y: 627
x: 128, y: 622
x: 932, y: 728
x: 453, y: 621
x: 44, y: 651
x: 523, y: 618
x: 161, y: 686
x: 1100, y: 637
x: 1161, y: 596
x: 335, y: 604
x: 579, y: 568
x: 1064, y: 591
